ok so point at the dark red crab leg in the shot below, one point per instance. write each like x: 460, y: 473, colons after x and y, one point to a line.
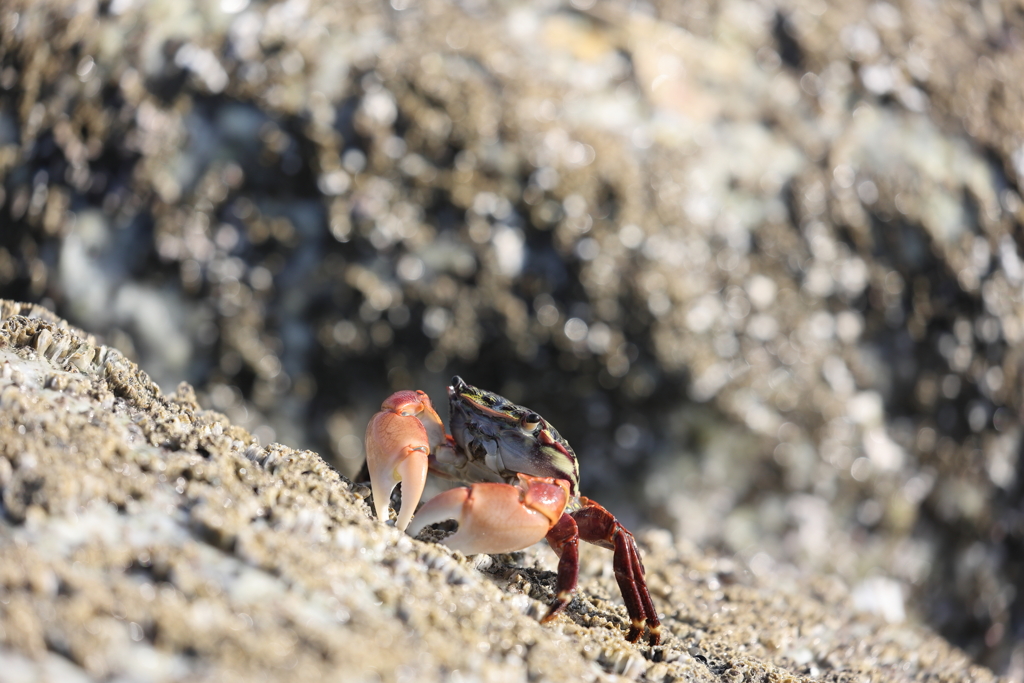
x: 564, y: 539
x: 594, y: 524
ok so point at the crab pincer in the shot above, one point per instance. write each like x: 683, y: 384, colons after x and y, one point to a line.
x: 399, y: 440
x: 497, y: 518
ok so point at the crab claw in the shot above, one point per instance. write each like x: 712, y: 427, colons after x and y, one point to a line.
x: 497, y: 518
x: 399, y: 440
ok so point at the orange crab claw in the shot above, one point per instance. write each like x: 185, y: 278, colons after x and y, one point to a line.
x: 399, y: 440
x: 497, y: 518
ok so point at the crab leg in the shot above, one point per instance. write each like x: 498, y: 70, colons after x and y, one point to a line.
x: 399, y: 440
x: 564, y: 539
x: 594, y: 524
x: 497, y: 518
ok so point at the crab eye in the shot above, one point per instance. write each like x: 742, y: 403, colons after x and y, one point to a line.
x: 530, y: 421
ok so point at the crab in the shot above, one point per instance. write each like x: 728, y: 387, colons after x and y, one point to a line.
x: 524, y: 487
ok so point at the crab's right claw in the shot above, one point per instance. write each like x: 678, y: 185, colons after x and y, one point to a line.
x: 497, y: 518
x: 398, y: 444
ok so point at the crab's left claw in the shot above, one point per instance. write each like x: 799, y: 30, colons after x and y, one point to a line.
x: 399, y: 440
x: 497, y: 518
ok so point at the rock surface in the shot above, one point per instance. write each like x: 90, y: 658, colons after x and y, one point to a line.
x: 145, y: 539
x: 758, y: 260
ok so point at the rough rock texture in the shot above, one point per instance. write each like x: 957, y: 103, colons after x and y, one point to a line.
x: 145, y: 539
x: 758, y: 260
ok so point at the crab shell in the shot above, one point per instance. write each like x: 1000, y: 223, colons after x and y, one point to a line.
x: 507, y: 439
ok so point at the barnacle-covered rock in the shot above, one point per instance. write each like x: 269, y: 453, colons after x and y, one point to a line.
x: 143, y: 538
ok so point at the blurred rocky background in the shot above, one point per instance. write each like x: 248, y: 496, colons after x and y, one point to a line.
x: 759, y: 261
